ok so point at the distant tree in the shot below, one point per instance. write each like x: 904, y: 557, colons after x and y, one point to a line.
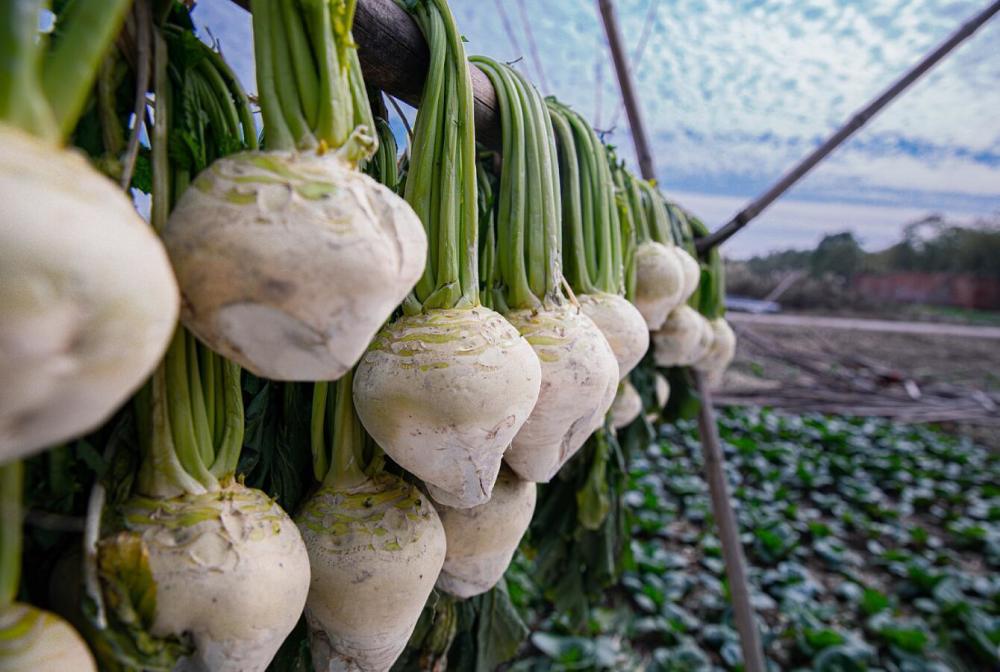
x: 838, y: 254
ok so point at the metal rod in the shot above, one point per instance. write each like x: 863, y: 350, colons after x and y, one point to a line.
x: 629, y: 98
x: 725, y: 518
x: 861, y: 118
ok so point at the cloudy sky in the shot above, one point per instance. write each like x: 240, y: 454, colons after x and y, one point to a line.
x: 735, y: 91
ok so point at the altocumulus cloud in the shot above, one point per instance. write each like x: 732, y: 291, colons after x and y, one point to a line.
x: 734, y: 91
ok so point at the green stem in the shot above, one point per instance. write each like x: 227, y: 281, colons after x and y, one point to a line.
x: 534, y: 222
x: 348, y: 440
x: 573, y: 247
x: 513, y: 195
x: 419, y: 188
x: 660, y: 228
x: 320, y: 455
x: 228, y: 448
x: 22, y: 99
x: 279, y: 136
x: 11, y: 492
x: 160, y: 473
x: 84, y: 31
x: 284, y: 80
x: 441, y: 183
x: 160, y: 206
x: 303, y: 66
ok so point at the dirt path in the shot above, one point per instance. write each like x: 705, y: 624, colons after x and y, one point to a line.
x: 855, y: 324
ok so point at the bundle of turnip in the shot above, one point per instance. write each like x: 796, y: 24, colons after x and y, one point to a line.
x: 592, y: 245
x: 375, y: 545
x: 87, y: 297
x: 445, y: 387
x: 290, y: 260
x: 230, y: 568
x: 686, y: 336
x: 579, y: 370
x: 31, y: 640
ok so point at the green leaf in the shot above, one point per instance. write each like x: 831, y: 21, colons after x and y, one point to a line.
x: 872, y: 602
x: 500, y: 630
x: 129, y: 594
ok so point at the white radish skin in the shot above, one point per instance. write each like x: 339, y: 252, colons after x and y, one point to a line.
x: 622, y: 325
x: 723, y: 349
x: 683, y: 339
x: 230, y: 569
x: 691, y: 271
x: 289, y: 263
x: 579, y: 379
x: 482, y: 540
x: 627, y: 406
x: 87, y: 297
x: 443, y: 393
x: 376, y: 550
x: 45, y: 642
x: 660, y: 282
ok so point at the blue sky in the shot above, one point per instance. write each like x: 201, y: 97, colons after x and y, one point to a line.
x: 734, y: 92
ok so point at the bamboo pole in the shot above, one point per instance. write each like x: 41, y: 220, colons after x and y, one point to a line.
x: 722, y: 509
x: 747, y: 214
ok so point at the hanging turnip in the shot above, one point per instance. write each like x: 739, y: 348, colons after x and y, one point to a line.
x: 592, y: 238
x: 579, y: 371
x: 627, y: 406
x: 445, y: 387
x: 375, y: 546
x: 230, y: 568
x: 87, y: 297
x: 482, y: 540
x: 661, y: 393
x: 31, y: 640
x: 683, y: 339
x: 290, y: 260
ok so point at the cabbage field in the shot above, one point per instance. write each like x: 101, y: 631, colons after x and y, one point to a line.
x: 871, y: 545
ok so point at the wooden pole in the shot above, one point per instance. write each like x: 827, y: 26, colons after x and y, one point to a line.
x: 722, y: 509
x: 629, y: 98
x: 729, y: 532
x: 861, y: 118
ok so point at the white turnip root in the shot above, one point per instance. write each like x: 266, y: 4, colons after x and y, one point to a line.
x: 683, y: 339
x: 579, y: 379
x: 32, y: 640
x: 691, y: 272
x: 482, y: 540
x: 289, y: 263
x: 376, y: 549
x: 88, y: 298
x: 660, y: 282
x: 722, y: 350
x: 627, y: 406
x: 661, y: 390
x: 444, y: 393
x: 230, y: 569
x: 622, y: 324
